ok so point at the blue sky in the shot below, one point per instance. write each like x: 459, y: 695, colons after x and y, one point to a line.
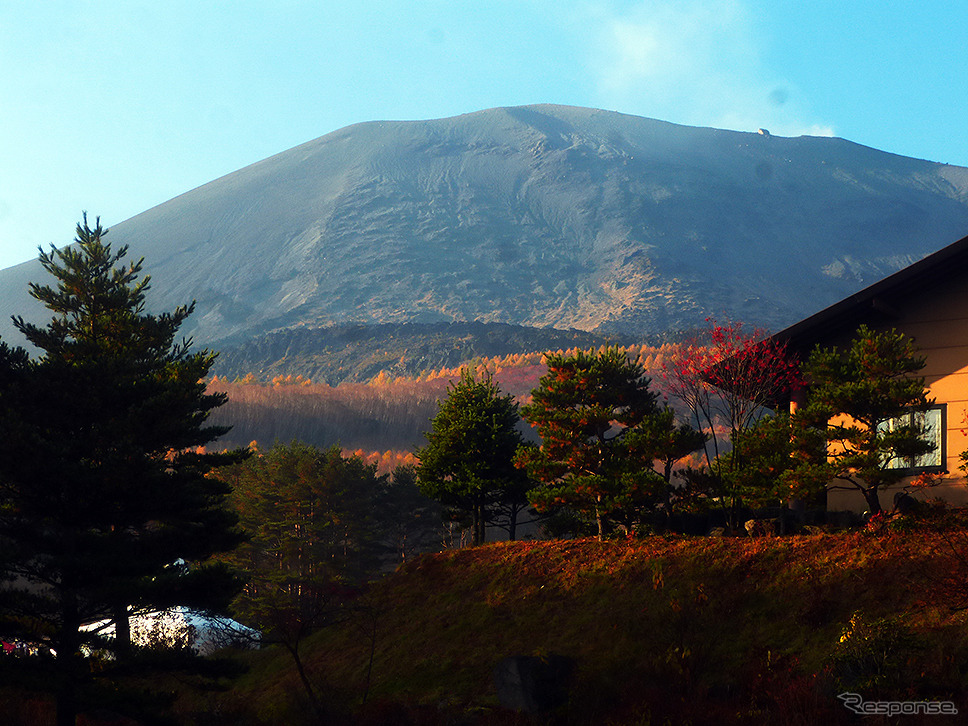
x: 114, y: 106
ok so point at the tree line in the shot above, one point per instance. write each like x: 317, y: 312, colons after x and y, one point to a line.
x: 608, y: 449
x: 651, y: 355
x: 356, y: 353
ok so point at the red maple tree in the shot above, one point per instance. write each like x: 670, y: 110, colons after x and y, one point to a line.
x: 727, y: 379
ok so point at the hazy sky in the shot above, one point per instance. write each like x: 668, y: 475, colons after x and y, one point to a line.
x: 116, y: 106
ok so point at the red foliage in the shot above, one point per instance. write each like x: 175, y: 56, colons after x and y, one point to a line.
x: 729, y: 376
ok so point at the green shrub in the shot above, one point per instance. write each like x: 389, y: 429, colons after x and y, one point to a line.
x: 873, y: 655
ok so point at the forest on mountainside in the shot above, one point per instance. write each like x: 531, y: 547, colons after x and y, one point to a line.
x: 385, y: 414
x: 355, y: 353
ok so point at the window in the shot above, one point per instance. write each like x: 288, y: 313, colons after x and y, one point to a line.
x: 933, y: 421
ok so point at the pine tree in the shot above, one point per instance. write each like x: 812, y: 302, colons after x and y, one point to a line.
x: 853, y: 430
x: 103, y: 485
x: 315, y: 540
x: 602, y: 436
x: 410, y: 521
x: 467, y: 463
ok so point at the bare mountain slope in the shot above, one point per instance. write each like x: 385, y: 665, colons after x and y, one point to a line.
x: 541, y: 216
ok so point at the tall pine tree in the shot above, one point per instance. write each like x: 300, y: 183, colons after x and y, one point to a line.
x: 607, y: 447
x: 103, y: 478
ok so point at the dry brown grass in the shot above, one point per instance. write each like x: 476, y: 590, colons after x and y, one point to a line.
x: 677, y: 630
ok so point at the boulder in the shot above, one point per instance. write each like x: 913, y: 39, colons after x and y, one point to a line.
x: 533, y: 684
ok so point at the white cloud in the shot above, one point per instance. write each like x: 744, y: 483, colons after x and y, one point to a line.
x: 695, y: 62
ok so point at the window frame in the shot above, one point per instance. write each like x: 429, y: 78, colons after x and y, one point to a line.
x: 909, y: 464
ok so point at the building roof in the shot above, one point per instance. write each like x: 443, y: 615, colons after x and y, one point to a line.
x: 877, y: 304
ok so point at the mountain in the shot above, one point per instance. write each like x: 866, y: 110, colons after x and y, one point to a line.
x: 543, y: 216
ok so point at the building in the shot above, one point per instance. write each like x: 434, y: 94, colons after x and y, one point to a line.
x: 927, y: 301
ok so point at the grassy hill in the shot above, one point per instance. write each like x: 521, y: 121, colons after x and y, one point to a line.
x: 661, y: 630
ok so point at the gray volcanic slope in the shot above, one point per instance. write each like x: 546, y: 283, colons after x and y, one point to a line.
x: 537, y: 215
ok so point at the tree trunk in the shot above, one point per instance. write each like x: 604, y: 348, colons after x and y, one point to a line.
x: 122, y: 632
x: 481, y: 533
x: 873, y: 501
x: 66, y: 662
x: 66, y: 700
x: 293, y: 649
x: 475, y: 525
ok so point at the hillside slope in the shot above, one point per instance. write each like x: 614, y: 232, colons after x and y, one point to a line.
x: 539, y: 216
x: 661, y: 630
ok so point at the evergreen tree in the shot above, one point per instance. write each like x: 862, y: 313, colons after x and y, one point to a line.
x: 315, y: 541
x: 468, y: 462
x: 853, y: 430
x: 312, y: 520
x: 602, y: 436
x: 103, y: 482
x: 767, y: 456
